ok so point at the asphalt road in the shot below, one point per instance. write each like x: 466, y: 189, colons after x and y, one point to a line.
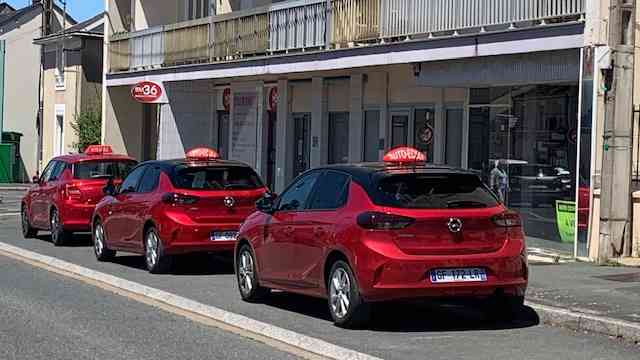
x: 47, y: 316
x: 399, y: 331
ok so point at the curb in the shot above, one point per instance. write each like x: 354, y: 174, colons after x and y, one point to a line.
x: 239, y: 324
x: 584, y: 322
x: 14, y: 188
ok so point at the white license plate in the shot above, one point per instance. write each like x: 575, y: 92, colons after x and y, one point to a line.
x: 223, y: 236
x: 458, y: 275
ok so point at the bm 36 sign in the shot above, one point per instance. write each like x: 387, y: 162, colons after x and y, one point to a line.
x: 146, y: 92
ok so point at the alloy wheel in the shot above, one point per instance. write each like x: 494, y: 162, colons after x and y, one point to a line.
x: 98, y: 243
x: 25, y: 222
x: 245, y: 272
x: 152, y: 249
x: 340, y: 293
x: 55, y: 223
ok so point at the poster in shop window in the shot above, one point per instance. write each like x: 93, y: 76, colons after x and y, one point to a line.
x: 244, y: 127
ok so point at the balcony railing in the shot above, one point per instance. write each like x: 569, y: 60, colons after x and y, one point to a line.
x: 301, y: 25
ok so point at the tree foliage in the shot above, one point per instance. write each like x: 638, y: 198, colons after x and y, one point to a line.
x: 87, y: 126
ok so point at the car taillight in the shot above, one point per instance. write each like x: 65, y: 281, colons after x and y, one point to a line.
x: 72, y: 193
x: 382, y: 221
x: 507, y: 219
x: 179, y: 199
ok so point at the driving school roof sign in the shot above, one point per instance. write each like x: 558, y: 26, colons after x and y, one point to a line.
x: 148, y: 92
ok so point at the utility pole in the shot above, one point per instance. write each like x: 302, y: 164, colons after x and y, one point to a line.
x: 615, y: 200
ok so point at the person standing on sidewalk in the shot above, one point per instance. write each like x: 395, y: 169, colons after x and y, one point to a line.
x: 498, y: 181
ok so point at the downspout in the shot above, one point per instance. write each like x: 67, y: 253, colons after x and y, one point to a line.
x: 2, y: 57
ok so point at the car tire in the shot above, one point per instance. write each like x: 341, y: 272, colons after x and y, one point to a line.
x: 100, y: 249
x: 247, y: 276
x: 505, y: 307
x: 157, y: 261
x: 28, y: 232
x: 346, y: 306
x: 59, y: 236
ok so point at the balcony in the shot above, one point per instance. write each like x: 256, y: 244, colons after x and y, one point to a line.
x: 317, y: 25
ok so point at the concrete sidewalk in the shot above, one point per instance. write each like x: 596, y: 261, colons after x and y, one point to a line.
x: 15, y: 187
x: 587, y: 297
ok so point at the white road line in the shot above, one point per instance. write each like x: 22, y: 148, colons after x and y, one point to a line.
x: 10, y: 214
x: 288, y: 338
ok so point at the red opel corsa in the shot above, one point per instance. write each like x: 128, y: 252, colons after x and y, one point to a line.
x: 357, y: 234
x: 66, y: 194
x: 165, y: 208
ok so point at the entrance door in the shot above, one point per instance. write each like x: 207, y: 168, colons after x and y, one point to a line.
x: 302, y: 138
x: 453, y: 142
x: 399, y: 129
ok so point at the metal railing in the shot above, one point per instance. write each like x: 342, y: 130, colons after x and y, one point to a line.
x: 299, y: 25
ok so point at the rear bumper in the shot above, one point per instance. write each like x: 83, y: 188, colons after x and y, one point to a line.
x: 181, y: 238
x: 76, y: 217
x: 385, y: 273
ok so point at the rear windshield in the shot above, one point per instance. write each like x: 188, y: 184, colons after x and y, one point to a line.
x: 215, y: 178
x: 426, y: 191
x: 99, y: 169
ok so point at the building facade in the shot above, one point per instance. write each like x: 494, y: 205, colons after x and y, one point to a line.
x: 72, y: 83
x: 490, y: 85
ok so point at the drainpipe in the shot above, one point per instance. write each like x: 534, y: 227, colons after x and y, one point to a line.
x: 2, y: 56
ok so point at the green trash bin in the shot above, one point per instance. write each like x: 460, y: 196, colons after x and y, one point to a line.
x: 17, y: 171
x: 7, y: 159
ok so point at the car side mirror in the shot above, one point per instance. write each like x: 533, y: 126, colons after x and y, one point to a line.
x: 266, y: 203
x: 35, y: 179
x: 110, y: 188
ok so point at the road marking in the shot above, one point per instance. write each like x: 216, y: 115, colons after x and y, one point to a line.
x: 10, y: 214
x: 282, y: 339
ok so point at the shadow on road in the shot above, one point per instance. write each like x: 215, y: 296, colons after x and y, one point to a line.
x: 412, y: 317
x: 76, y: 240
x: 192, y: 265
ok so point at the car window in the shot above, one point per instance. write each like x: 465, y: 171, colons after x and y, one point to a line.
x: 149, y: 181
x: 57, y: 170
x: 437, y: 191
x: 331, y: 192
x: 46, y: 174
x: 296, y: 196
x: 215, y: 178
x: 96, y: 169
x: 130, y: 183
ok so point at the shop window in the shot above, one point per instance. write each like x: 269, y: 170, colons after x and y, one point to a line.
x: 338, y: 138
x: 371, y: 135
x: 424, y: 132
x: 399, y: 130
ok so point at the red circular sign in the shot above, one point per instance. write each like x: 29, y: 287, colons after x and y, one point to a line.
x: 226, y: 98
x: 273, y: 99
x: 146, y: 92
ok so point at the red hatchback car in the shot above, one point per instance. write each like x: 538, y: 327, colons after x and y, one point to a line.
x: 66, y: 194
x: 357, y: 234
x: 165, y: 208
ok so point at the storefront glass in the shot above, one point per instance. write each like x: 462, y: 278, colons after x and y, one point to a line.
x: 521, y: 142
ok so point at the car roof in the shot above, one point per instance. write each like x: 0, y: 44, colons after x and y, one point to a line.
x: 364, y: 173
x: 74, y: 158
x: 168, y: 165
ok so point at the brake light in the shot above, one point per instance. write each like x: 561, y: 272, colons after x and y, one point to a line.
x: 179, y: 199
x: 382, y: 221
x: 507, y: 219
x: 72, y: 193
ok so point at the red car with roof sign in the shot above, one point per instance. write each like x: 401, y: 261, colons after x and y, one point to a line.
x: 65, y: 195
x: 165, y: 208
x: 364, y: 233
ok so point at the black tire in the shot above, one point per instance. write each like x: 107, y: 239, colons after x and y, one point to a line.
x: 357, y: 312
x: 28, y: 232
x: 505, y: 307
x: 247, y: 276
x: 158, y: 263
x: 59, y: 236
x: 100, y: 249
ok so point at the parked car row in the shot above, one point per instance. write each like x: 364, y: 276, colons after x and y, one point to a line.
x: 354, y: 234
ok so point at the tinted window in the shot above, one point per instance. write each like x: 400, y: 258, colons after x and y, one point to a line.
x: 101, y: 169
x: 48, y: 170
x: 425, y: 191
x: 215, y: 178
x: 149, y: 181
x: 331, y: 192
x: 57, y: 170
x: 130, y: 183
x: 296, y: 196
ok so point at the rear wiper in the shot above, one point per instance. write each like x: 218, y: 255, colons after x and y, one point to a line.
x: 465, y: 204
